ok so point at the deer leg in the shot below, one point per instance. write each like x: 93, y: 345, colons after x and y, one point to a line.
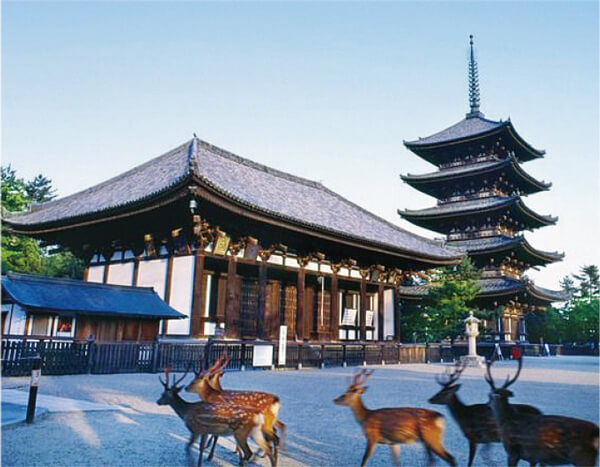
x: 368, y: 452
x: 513, y: 460
x: 212, y: 449
x: 242, y: 443
x: 279, y: 424
x: 472, y: 451
x: 202, y: 446
x: 396, y: 454
x: 191, y: 442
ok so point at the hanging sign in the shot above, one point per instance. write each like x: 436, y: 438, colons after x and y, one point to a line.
x: 282, y: 345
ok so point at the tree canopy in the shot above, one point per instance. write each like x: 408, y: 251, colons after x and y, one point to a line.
x: 25, y: 254
x: 576, y: 321
x: 448, y: 302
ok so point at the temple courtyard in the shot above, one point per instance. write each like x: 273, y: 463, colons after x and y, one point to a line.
x: 129, y: 428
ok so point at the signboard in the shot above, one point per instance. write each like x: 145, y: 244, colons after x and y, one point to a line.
x: 262, y: 355
x: 209, y: 328
x: 221, y: 245
x: 349, y: 317
x: 35, y: 377
x: 282, y: 345
x: 369, y: 318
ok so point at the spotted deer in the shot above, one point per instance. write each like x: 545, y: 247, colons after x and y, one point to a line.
x: 220, y: 419
x: 395, y: 426
x: 543, y: 439
x: 476, y: 421
x: 267, y: 404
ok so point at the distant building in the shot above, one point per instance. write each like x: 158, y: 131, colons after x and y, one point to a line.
x: 480, y: 187
x: 240, y: 248
x: 40, y: 307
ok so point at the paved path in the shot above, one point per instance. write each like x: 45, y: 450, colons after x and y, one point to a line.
x: 141, y: 433
x: 14, y: 405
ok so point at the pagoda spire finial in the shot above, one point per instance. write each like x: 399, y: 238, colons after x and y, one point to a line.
x: 473, y: 84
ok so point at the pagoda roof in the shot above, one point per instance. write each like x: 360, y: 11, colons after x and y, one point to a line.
x: 430, y: 183
x: 74, y: 297
x: 245, y: 183
x: 469, y: 129
x: 497, y: 287
x: 431, y: 217
x: 491, y: 245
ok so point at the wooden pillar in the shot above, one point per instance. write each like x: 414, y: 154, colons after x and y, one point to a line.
x: 397, y: 314
x: 136, y: 270
x: 300, y: 303
x: 380, y: 311
x: 363, y: 303
x: 197, y: 318
x: 232, y: 305
x: 168, y: 290
x: 300, y: 330
x: 105, y: 276
x: 262, y: 291
x: 334, y: 304
x: 86, y: 272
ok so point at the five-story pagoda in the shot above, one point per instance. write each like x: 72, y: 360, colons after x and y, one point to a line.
x: 480, y: 186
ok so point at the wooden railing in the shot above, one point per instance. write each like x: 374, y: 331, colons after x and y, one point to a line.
x: 72, y: 357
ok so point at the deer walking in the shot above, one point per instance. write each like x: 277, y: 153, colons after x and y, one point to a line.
x: 476, y: 421
x: 220, y: 419
x: 267, y: 404
x: 395, y: 426
x: 543, y: 439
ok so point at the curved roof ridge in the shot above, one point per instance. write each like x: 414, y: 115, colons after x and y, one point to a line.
x: 467, y: 127
x: 161, y: 184
x: 256, y: 165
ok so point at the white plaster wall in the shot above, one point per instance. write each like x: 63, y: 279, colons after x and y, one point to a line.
x: 388, y: 313
x: 120, y: 274
x: 153, y: 273
x: 96, y: 274
x: 182, y: 292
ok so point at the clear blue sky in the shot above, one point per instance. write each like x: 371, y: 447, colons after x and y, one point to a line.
x: 327, y: 91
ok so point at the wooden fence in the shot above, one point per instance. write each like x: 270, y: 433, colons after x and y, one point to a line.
x: 67, y: 357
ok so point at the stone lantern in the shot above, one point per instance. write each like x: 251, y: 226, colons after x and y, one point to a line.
x: 472, y: 331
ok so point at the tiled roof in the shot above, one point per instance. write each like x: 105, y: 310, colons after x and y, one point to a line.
x: 465, y: 128
x: 502, y: 242
x: 254, y: 185
x: 88, y: 298
x: 462, y: 206
x: 136, y: 185
x: 488, y: 286
x: 459, y: 170
x: 496, y: 286
x: 479, y: 206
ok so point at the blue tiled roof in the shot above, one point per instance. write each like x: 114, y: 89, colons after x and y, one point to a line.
x: 259, y: 187
x: 87, y: 298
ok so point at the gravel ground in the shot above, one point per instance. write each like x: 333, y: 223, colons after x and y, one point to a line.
x: 139, y: 432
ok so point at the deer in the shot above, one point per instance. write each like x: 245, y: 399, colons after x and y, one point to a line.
x: 543, y: 439
x: 394, y: 426
x: 476, y: 421
x: 267, y: 404
x: 217, y: 419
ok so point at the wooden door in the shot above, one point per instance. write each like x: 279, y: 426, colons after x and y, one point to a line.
x: 249, y: 309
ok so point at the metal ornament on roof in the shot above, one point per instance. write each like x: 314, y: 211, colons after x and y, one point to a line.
x: 474, y: 97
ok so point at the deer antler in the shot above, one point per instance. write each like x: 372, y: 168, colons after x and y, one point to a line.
x: 165, y: 384
x: 451, y: 377
x: 187, y: 369
x: 488, y: 375
x: 509, y: 381
x: 361, y: 377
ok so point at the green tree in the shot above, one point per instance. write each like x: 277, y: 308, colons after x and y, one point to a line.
x: 450, y: 298
x: 40, y: 189
x: 21, y: 253
x: 581, y: 312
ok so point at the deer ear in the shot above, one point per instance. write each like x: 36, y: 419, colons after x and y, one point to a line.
x: 363, y: 389
x: 456, y: 387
